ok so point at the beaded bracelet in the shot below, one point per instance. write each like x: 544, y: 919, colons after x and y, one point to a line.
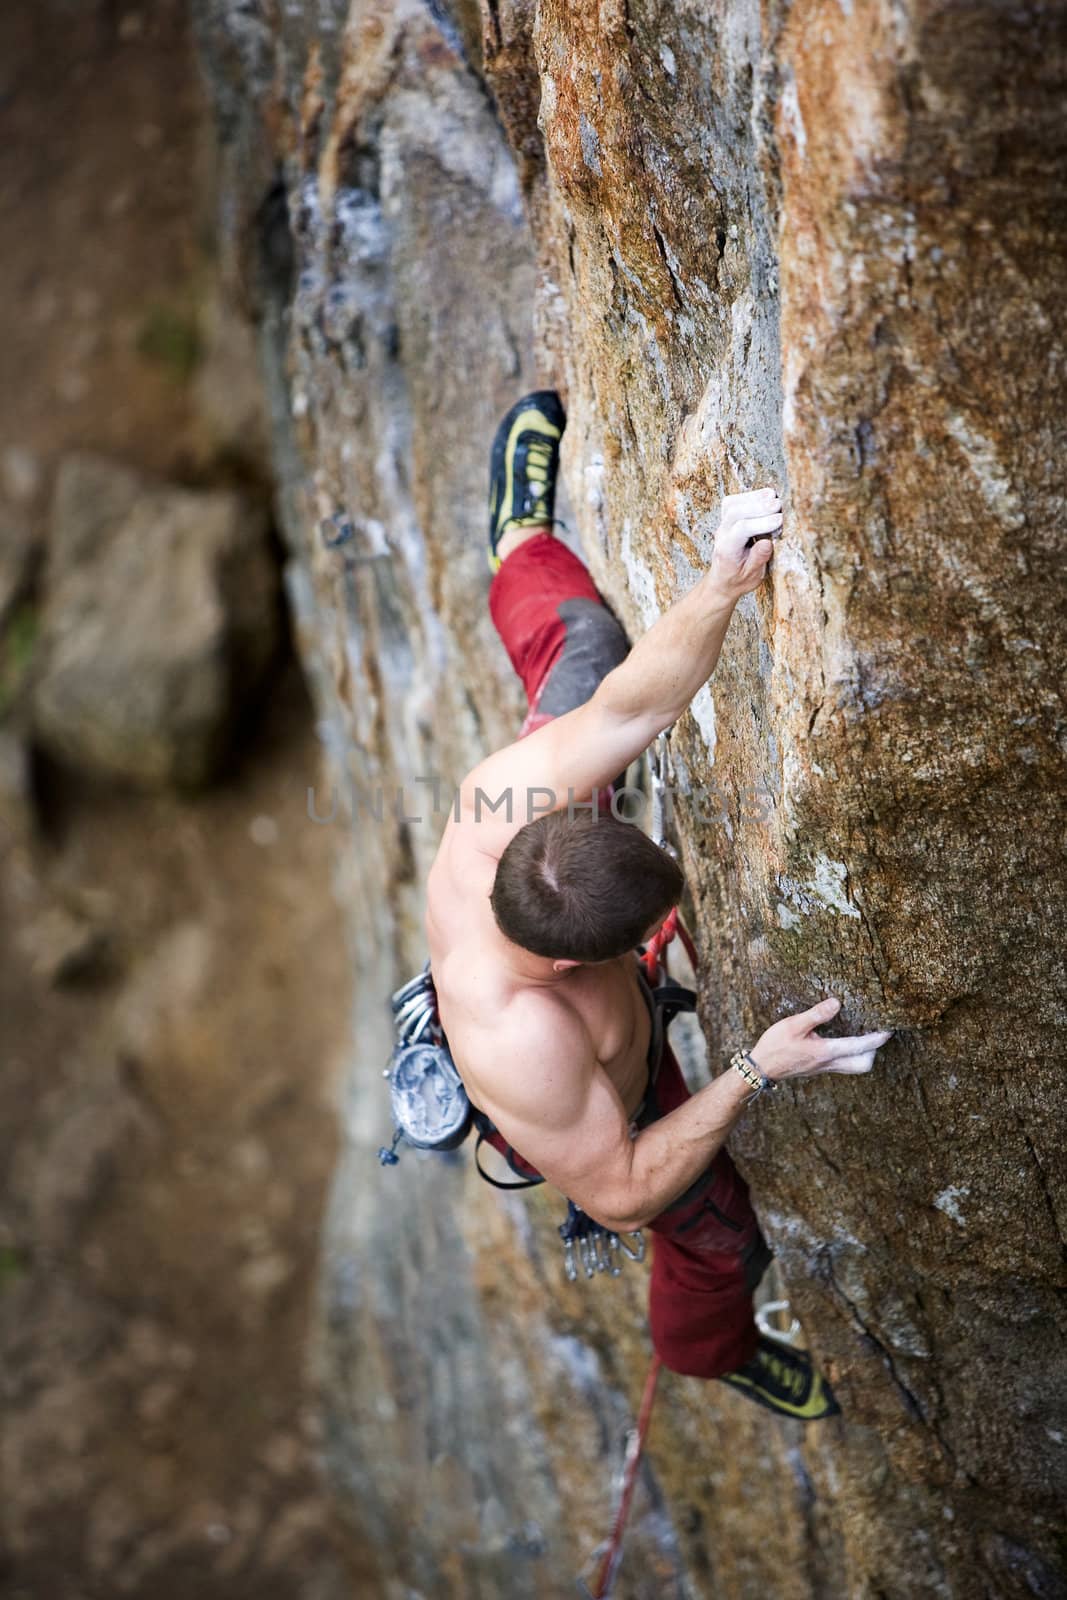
x: 744, y: 1064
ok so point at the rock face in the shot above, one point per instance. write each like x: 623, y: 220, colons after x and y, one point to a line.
x: 820, y: 246
x: 159, y: 616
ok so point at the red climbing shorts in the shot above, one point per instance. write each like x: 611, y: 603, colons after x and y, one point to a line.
x: 708, y: 1250
x: 559, y: 634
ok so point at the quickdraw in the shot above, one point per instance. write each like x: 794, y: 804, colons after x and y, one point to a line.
x: 593, y: 1247
x: 661, y: 773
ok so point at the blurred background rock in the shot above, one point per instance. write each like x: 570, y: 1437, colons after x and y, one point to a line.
x: 173, y: 980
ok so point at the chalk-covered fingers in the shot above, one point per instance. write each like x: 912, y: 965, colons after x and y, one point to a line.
x: 751, y: 503
x: 737, y: 537
x: 852, y: 1064
x: 753, y: 515
x: 793, y: 1049
x: 744, y: 543
x: 851, y: 1055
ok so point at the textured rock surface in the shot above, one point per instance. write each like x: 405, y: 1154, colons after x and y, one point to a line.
x: 158, y: 618
x: 820, y: 245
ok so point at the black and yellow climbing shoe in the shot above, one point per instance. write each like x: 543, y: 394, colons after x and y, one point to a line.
x: 523, y: 466
x: 784, y: 1380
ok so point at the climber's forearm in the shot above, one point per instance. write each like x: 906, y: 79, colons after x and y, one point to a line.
x: 670, y: 1155
x: 585, y: 749
x: 677, y: 656
x: 673, y: 660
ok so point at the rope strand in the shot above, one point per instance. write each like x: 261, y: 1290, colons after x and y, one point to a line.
x: 609, y: 1564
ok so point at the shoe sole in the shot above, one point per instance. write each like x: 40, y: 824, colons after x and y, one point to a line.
x: 534, y: 413
x: 783, y: 1408
x: 819, y: 1404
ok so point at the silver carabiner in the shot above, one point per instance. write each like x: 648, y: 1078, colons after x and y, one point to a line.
x: 661, y: 774
x: 638, y: 1251
x: 414, y: 1009
x: 421, y: 980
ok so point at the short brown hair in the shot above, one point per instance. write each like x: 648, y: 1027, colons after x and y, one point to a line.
x: 582, y: 887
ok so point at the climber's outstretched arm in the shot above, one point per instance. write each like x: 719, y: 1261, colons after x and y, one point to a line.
x: 678, y: 654
x: 588, y: 748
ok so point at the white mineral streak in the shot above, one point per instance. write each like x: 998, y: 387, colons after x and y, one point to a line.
x: 642, y: 584
x: 829, y: 885
x: 790, y: 107
x: 824, y: 890
x: 948, y: 1202
x: 703, y: 709
x: 987, y: 470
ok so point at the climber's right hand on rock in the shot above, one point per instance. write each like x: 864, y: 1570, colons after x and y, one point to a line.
x: 736, y: 566
x: 792, y: 1048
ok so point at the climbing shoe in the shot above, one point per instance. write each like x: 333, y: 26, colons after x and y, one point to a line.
x: 784, y: 1380
x: 523, y: 467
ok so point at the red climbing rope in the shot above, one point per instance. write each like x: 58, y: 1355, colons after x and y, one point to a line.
x: 658, y: 943
x: 655, y: 951
x: 609, y: 1564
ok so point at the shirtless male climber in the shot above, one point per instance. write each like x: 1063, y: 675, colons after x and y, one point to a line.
x: 534, y: 917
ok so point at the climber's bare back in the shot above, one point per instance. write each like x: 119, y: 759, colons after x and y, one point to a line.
x: 594, y: 1017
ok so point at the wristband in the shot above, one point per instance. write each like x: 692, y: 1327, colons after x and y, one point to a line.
x: 744, y: 1064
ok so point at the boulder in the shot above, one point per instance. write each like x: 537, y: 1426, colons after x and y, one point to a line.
x: 159, y: 616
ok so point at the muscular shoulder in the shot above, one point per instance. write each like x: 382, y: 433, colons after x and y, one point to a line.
x: 532, y: 1059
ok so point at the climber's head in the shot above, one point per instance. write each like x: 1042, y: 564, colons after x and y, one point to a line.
x: 582, y: 887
